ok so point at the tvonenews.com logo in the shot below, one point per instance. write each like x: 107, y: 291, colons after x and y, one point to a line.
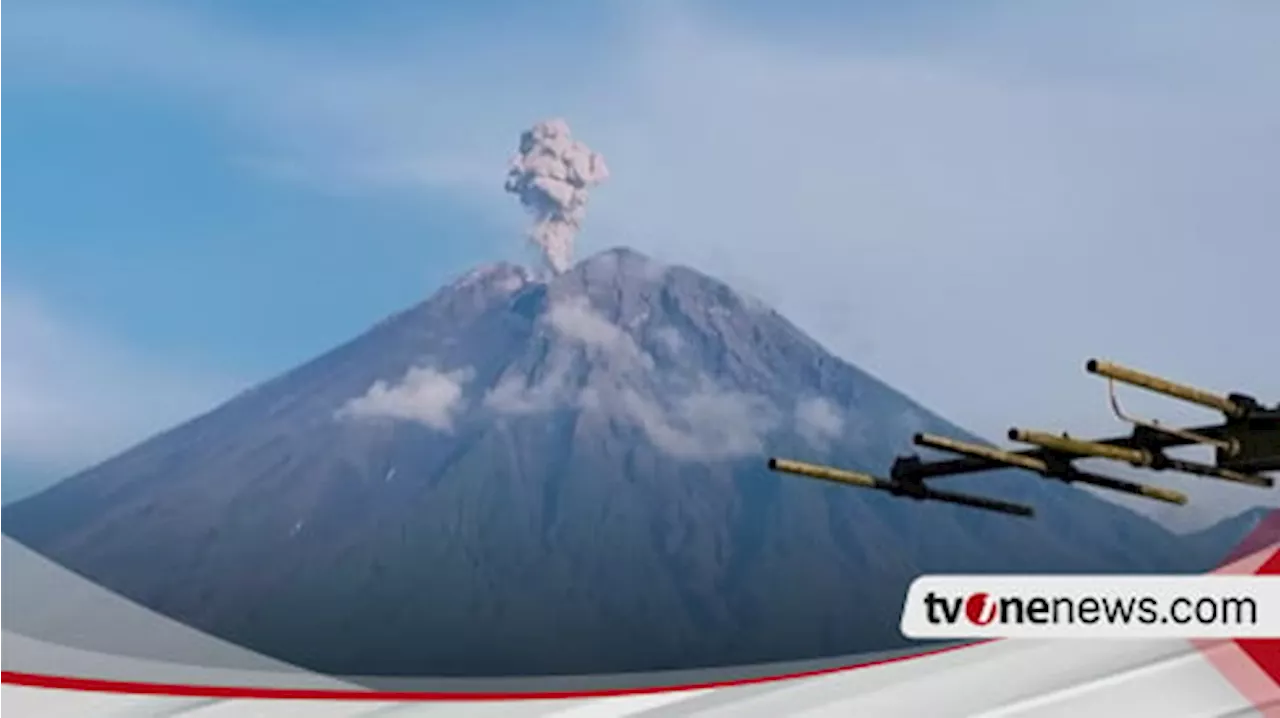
x: 1093, y: 606
x: 983, y: 609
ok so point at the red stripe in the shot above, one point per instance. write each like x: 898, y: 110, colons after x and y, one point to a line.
x: 1266, y: 652
x: 1251, y: 665
x: 1264, y: 535
x: 37, y: 680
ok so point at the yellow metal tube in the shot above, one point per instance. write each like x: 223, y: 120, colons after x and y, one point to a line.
x: 1169, y: 495
x: 1040, y: 466
x: 1217, y: 472
x: 982, y: 452
x: 1067, y: 445
x: 1243, y: 478
x: 1164, y: 386
x: 827, y: 473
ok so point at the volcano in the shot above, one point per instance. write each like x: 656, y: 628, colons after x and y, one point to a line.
x: 524, y: 476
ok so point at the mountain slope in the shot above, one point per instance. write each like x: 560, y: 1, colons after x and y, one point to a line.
x: 518, y: 477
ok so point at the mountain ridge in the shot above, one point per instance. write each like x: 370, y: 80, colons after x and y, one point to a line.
x: 526, y: 474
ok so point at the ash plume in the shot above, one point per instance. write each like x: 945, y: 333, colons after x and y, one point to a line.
x: 552, y: 175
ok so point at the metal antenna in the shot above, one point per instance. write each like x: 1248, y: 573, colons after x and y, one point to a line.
x: 1230, y: 446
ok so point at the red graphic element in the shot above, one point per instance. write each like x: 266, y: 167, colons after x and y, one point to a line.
x: 979, y: 609
x: 35, y: 680
x: 1266, y: 652
x: 1264, y: 535
x: 1252, y: 665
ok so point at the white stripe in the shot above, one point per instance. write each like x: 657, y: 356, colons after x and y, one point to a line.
x: 1173, y: 674
x: 241, y: 707
x: 617, y: 706
x: 28, y: 701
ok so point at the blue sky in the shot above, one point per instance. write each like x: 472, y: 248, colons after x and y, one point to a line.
x: 205, y: 194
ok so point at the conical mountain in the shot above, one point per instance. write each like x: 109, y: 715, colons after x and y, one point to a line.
x: 528, y: 476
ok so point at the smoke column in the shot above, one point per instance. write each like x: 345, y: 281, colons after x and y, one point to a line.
x: 552, y: 175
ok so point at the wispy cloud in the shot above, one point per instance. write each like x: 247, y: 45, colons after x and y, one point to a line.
x: 690, y: 418
x: 575, y: 319
x: 424, y: 395
x: 819, y: 421
x: 74, y: 396
x: 670, y: 338
x: 705, y: 424
x: 514, y: 395
x: 575, y: 325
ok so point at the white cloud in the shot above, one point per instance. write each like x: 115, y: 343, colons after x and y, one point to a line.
x: 425, y: 395
x: 670, y: 338
x: 819, y: 421
x: 708, y: 424
x: 74, y: 396
x: 701, y: 422
x: 574, y: 318
x: 514, y: 395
